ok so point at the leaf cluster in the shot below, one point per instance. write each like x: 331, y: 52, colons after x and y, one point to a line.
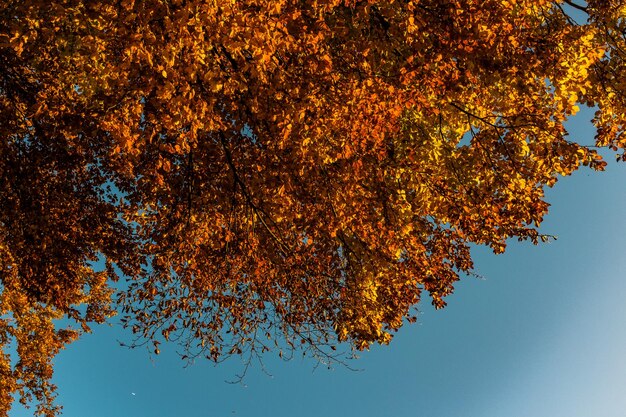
x: 277, y: 175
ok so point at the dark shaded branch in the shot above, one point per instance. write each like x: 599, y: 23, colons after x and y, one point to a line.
x: 575, y: 6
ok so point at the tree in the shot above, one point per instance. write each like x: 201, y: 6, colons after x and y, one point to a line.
x: 277, y: 174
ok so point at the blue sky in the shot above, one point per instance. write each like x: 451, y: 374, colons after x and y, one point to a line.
x: 543, y: 334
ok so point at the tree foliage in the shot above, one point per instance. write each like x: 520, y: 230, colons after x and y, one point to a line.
x: 277, y: 174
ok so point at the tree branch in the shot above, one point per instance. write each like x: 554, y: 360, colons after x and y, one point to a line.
x: 575, y: 6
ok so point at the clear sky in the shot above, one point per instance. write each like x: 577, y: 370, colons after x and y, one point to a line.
x: 544, y: 334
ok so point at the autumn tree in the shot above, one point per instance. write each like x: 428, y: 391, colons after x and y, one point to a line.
x: 277, y: 174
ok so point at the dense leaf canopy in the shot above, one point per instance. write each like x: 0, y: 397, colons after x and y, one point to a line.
x: 277, y: 174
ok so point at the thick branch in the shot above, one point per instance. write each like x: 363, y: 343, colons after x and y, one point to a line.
x: 575, y: 6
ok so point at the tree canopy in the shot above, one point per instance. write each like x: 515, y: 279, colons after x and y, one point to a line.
x: 277, y: 175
